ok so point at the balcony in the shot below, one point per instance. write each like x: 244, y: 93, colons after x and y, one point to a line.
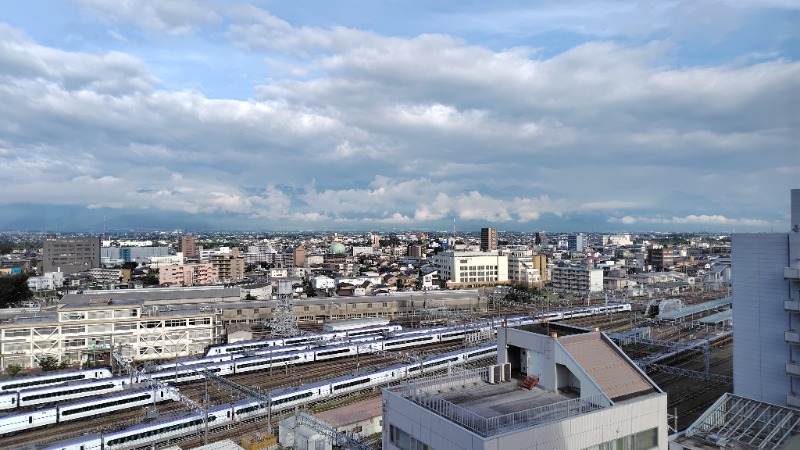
x: 793, y: 400
x: 791, y: 305
x: 791, y: 336
x: 791, y: 273
x: 793, y: 368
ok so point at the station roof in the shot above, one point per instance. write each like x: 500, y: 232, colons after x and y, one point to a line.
x: 695, y: 309
x: 719, y: 317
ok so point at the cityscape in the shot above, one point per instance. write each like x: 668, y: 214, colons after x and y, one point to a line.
x: 251, y: 225
x: 257, y: 340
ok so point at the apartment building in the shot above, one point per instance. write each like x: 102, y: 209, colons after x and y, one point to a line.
x: 188, y: 274
x: 230, y: 266
x: 521, y: 267
x: 577, y: 280
x: 488, y: 239
x: 660, y: 257
x: 188, y: 246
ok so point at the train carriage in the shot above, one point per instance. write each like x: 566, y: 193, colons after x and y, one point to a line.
x: 85, y: 442
x: 113, y: 403
x: 159, y: 431
x: 186, y: 374
x: 33, y: 419
x: 8, y: 400
x: 18, y: 384
x: 52, y: 394
x: 265, y: 362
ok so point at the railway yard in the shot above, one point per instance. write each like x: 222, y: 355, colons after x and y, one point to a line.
x: 709, y: 366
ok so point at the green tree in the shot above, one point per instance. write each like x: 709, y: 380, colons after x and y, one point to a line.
x: 49, y: 364
x: 130, y: 265
x: 13, y: 369
x: 14, y: 289
x: 6, y: 247
x: 152, y: 278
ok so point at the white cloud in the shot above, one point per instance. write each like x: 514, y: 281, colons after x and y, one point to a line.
x: 395, y: 129
x: 174, y: 16
x: 692, y: 219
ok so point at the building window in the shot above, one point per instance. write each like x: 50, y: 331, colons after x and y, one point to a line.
x: 404, y: 441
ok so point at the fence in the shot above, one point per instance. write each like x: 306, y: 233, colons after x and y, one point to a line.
x: 424, y: 393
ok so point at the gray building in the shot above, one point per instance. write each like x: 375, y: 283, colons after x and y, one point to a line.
x: 766, y: 310
x: 70, y: 254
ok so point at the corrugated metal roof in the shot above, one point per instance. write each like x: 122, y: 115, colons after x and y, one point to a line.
x: 719, y: 317
x: 694, y: 309
x: 615, y: 375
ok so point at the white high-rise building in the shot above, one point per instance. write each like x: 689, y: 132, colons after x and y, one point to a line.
x: 766, y: 311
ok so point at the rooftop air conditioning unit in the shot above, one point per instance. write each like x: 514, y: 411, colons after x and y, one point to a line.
x: 497, y: 371
x: 493, y: 375
x: 507, y: 372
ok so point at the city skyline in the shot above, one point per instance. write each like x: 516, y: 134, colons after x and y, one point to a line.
x: 606, y: 116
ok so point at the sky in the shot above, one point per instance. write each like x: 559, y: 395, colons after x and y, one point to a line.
x: 603, y: 115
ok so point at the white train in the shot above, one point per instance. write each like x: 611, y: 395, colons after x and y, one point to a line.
x: 88, y: 408
x: 584, y: 311
x: 182, y: 372
x: 18, y: 384
x: 223, y: 415
x: 69, y: 391
x: 270, y: 357
x: 242, y: 347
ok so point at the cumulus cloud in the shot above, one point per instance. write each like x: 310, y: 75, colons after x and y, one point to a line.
x: 393, y: 129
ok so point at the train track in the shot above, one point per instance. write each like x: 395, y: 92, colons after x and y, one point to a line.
x: 280, y: 378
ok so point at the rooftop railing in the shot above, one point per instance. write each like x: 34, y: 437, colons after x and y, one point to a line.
x: 425, y: 393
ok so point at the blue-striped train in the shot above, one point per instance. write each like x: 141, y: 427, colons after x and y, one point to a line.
x: 37, y: 391
x: 245, y: 409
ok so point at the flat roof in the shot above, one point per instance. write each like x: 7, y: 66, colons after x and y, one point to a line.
x: 490, y: 400
x: 152, y: 294
x: 488, y: 409
x: 353, y: 413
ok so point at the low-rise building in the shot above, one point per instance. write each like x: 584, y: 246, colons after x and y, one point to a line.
x: 87, y: 330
